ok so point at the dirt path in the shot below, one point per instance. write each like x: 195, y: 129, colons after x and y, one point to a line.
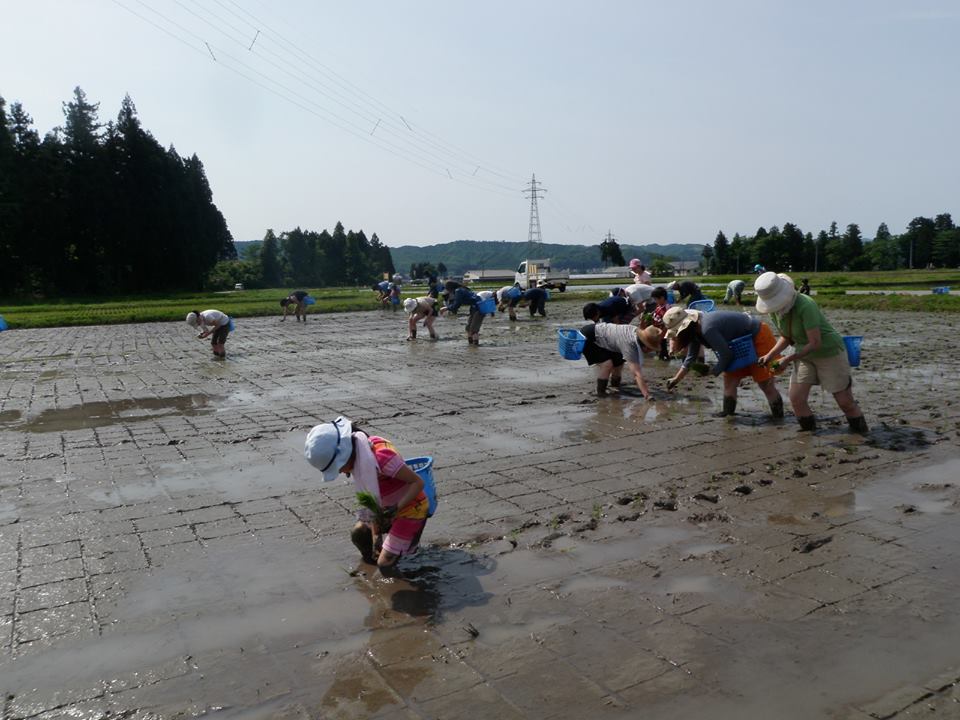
x: 165, y: 550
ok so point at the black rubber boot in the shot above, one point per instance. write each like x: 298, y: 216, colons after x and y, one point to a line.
x: 729, y: 407
x: 808, y: 423
x: 614, y: 382
x: 776, y: 408
x: 858, y: 425
x: 601, y: 387
x: 362, y: 538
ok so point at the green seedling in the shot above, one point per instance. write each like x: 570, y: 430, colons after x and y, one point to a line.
x: 368, y: 501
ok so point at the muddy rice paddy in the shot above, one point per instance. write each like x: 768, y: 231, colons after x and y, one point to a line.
x: 165, y: 551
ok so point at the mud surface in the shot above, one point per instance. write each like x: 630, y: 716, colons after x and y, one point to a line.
x: 165, y: 551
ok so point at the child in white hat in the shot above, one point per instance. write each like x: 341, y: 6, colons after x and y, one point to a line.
x: 378, y: 469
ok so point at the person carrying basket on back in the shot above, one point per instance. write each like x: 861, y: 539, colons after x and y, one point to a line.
x: 692, y: 329
x: 392, y: 527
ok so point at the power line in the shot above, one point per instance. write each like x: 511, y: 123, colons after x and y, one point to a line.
x: 298, y: 76
x: 304, y: 56
x: 295, y: 98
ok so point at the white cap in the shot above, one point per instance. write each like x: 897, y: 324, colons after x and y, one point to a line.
x: 192, y: 319
x: 329, y: 447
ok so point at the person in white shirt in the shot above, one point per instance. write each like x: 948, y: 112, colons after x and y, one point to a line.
x: 212, y: 322
x: 639, y: 270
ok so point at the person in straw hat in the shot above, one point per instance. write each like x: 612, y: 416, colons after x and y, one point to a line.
x: 422, y: 308
x: 376, y: 468
x: 820, y: 357
x: 692, y: 329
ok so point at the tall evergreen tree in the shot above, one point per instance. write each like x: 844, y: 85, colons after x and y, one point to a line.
x: 721, y: 253
x: 270, y: 260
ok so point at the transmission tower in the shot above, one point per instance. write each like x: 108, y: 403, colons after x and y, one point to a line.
x: 533, y: 191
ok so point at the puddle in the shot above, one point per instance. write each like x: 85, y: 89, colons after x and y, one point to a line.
x: 918, y: 490
x: 102, y: 413
x: 8, y: 417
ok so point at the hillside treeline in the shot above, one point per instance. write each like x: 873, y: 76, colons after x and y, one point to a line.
x: 305, y: 258
x: 463, y: 255
x: 95, y: 208
x: 926, y: 242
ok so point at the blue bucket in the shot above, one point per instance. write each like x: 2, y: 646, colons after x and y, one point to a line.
x: 395, y: 299
x: 3, y: 324
x: 487, y: 307
x: 570, y: 343
x: 231, y: 325
x: 309, y: 300
x: 853, y: 349
x: 423, y: 466
x: 945, y: 290
x: 706, y: 306
x: 744, y: 353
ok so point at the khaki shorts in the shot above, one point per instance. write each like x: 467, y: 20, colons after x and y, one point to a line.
x: 830, y: 373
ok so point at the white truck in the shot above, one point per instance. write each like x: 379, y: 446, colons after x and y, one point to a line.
x: 533, y: 271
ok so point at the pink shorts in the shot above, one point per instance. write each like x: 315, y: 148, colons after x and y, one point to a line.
x: 404, y: 536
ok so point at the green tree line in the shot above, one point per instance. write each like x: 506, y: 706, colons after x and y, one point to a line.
x: 926, y: 242
x: 305, y: 258
x: 96, y: 208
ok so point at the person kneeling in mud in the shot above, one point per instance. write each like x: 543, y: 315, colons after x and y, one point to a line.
x: 610, y: 346
x: 692, y: 330
x: 423, y: 308
x: 393, y: 528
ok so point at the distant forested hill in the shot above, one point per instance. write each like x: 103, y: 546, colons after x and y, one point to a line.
x: 463, y: 255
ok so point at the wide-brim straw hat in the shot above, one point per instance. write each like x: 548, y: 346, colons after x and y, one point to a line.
x: 775, y: 293
x: 678, y: 319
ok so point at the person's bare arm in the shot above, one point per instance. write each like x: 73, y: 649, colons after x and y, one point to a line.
x: 638, y: 377
x: 414, y: 486
x: 814, y: 340
x: 779, y: 347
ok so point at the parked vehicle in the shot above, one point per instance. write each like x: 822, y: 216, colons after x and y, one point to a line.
x: 534, y: 271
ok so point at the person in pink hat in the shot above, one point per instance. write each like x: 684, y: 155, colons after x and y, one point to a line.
x: 820, y: 357
x: 639, y: 270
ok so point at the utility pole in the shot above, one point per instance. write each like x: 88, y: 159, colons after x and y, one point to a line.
x: 533, y: 192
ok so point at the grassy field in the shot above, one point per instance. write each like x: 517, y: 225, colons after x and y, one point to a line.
x: 830, y: 289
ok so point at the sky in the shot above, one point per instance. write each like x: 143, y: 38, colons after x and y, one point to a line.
x: 422, y: 121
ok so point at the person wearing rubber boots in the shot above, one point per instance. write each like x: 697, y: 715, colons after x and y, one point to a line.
x: 820, y: 356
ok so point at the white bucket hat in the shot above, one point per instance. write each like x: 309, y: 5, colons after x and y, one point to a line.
x: 192, y: 319
x: 329, y: 447
x: 409, y: 305
x: 775, y: 293
x: 678, y: 319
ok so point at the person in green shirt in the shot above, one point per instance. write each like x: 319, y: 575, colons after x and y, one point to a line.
x: 820, y: 357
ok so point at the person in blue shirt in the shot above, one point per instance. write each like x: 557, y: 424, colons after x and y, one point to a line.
x: 614, y: 309
x: 536, y: 300
x: 382, y: 289
x: 458, y: 295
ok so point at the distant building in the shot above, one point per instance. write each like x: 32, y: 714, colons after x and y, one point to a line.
x: 488, y: 275
x: 685, y: 267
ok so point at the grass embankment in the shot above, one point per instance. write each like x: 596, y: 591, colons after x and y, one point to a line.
x: 830, y: 289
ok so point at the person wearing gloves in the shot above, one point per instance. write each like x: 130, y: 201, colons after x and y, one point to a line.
x: 609, y: 346
x: 639, y: 270
x: 458, y: 295
x: 692, y: 329
x: 421, y: 308
x: 375, y: 468
x: 687, y: 290
x: 820, y: 357
x: 211, y: 322
x: 734, y: 292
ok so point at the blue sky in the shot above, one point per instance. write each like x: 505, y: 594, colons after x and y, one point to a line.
x: 662, y: 122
